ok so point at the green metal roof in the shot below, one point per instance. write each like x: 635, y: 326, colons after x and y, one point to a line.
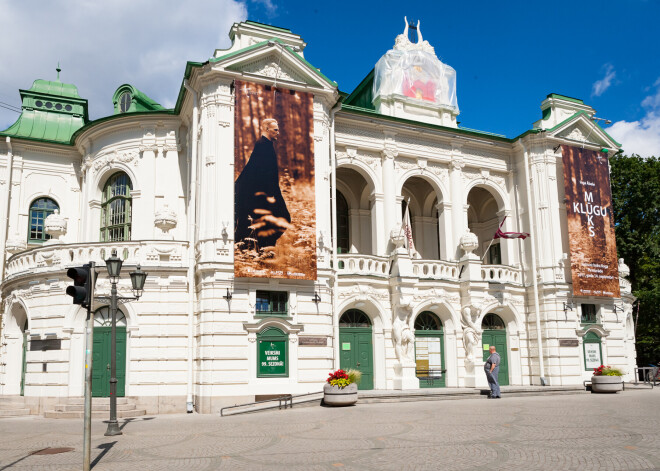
x: 564, y: 97
x: 52, y: 111
x: 363, y: 95
x: 55, y: 88
x: 139, y: 100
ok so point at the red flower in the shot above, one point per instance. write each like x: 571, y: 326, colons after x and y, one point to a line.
x: 339, y: 374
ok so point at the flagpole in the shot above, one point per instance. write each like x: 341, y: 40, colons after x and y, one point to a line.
x: 486, y: 251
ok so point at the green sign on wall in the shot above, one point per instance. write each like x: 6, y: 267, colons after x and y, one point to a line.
x: 272, y: 353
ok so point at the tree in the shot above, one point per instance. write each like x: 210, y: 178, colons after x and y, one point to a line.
x: 636, y: 200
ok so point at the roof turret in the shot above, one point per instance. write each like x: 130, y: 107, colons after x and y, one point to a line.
x: 51, y: 111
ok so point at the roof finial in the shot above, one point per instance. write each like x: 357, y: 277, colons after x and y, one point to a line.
x: 58, y: 71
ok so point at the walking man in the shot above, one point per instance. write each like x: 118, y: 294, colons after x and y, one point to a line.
x: 492, y: 369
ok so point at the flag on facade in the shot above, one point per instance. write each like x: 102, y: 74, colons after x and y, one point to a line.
x: 407, y: 229
x: 509, y: 235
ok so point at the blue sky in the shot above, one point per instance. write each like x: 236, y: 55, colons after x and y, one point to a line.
x: 508, y: 55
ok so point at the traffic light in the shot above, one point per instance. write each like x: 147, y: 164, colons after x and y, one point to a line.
x: 83, y: 285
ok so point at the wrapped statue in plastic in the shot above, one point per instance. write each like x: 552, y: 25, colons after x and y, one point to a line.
x: 413, y: 70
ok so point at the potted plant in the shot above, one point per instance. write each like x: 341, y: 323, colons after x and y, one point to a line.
x: 341, y: 388
x: 606, y: 380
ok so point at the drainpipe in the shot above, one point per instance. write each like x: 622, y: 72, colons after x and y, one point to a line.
x: 192, y: 210
x: 333, y: 212
x: 534, y: 241
x: 5, y: 231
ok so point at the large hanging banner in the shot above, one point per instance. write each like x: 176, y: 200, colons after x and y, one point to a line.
x: 594, y: 266
x: 274, y: 195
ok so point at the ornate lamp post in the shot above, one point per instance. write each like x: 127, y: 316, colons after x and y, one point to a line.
x: 138, y: 277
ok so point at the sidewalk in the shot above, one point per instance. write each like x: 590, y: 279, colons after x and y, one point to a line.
x: 576, y: 431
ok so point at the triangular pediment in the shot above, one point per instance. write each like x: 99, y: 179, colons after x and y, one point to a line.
x: 580, y: 129
x: 271, y: 66
x: 270, y: 60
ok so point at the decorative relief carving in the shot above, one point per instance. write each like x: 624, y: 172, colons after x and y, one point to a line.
x: 272, y: 67
x: 224, y: 124
x: 361, y: 292
x: 457, y: 163
x: 406, y: 164
x: 576, y: 135
x: 126, y: 157
x: 440, y: 170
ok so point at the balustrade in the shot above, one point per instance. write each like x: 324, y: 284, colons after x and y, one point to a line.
x: 435, y: 269
x: 500, y: 274
x: 357, y: 264
x: 146, y: 252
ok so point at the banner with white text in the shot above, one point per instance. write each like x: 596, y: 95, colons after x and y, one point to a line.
x: 590, y: 220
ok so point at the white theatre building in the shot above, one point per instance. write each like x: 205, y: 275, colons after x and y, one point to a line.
x: 157, y: 185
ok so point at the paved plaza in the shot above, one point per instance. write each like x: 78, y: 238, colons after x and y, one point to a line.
x: 582, y: 431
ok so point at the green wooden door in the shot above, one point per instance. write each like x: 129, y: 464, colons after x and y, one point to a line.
x: 356, y: 352
x: 101, y: 362
x: 497, y: 338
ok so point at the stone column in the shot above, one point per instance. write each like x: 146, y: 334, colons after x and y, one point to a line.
x: 457, y: 198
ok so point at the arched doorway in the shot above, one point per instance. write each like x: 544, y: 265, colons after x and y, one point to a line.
x: 483, y: 221
x: 429, y: 351
x: 101, y: 353
x: 494, y: 333
x: 356, y: 347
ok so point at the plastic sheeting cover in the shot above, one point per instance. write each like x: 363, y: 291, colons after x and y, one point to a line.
x: 416, y: 74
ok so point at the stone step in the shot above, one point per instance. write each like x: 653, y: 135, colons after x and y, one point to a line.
x: 14, y: 412
x: 19, y: 400
x: 95, y: 400
x: 95, y: 407
x: 121, y: 414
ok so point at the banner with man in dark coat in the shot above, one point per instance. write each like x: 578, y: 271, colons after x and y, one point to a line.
x: 274, y: 191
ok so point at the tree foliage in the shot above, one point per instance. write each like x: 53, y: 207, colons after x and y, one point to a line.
x: 636, y: 200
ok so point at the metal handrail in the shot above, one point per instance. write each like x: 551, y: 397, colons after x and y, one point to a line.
x: 646, y: 378
x: 287, y: 399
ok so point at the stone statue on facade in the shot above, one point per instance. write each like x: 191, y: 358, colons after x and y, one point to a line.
x: 470, y: 334
x: 404, y: 341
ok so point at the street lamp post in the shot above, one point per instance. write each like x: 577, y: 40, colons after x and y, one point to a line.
x: 138, y: 277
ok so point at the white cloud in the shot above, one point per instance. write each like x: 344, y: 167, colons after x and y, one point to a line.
x: 603, y: 84
x: 641, y: 137
x: 268, y: 5
x: 101, y: 45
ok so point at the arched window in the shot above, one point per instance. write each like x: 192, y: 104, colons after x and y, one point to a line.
x: 103, y: 317
x: 116, y: 208
x: 354, y: 318
x: 40, y: 209
x: 342, y: 225
x: 492, y: 322
x: 427, y: 321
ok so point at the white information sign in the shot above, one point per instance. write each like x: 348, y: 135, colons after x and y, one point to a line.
x: 592, y: 355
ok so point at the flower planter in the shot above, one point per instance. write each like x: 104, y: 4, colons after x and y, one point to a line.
x: 336, y: 396
x: 606, y: 384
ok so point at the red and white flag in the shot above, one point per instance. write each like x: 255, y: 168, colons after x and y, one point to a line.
x: 509, y: 235
x: 407, y: 229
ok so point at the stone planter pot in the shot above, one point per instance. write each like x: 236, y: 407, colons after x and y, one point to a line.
x: 606, y: 384
x: 336, y: 396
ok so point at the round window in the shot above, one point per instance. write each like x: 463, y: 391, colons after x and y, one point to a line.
x: 39, y: 103
x: 125, y: 102
x: 58, y: 106
x: 68, y: 107
x: 49, y: 105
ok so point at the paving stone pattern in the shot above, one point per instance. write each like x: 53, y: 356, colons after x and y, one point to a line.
x: 585, y: 432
